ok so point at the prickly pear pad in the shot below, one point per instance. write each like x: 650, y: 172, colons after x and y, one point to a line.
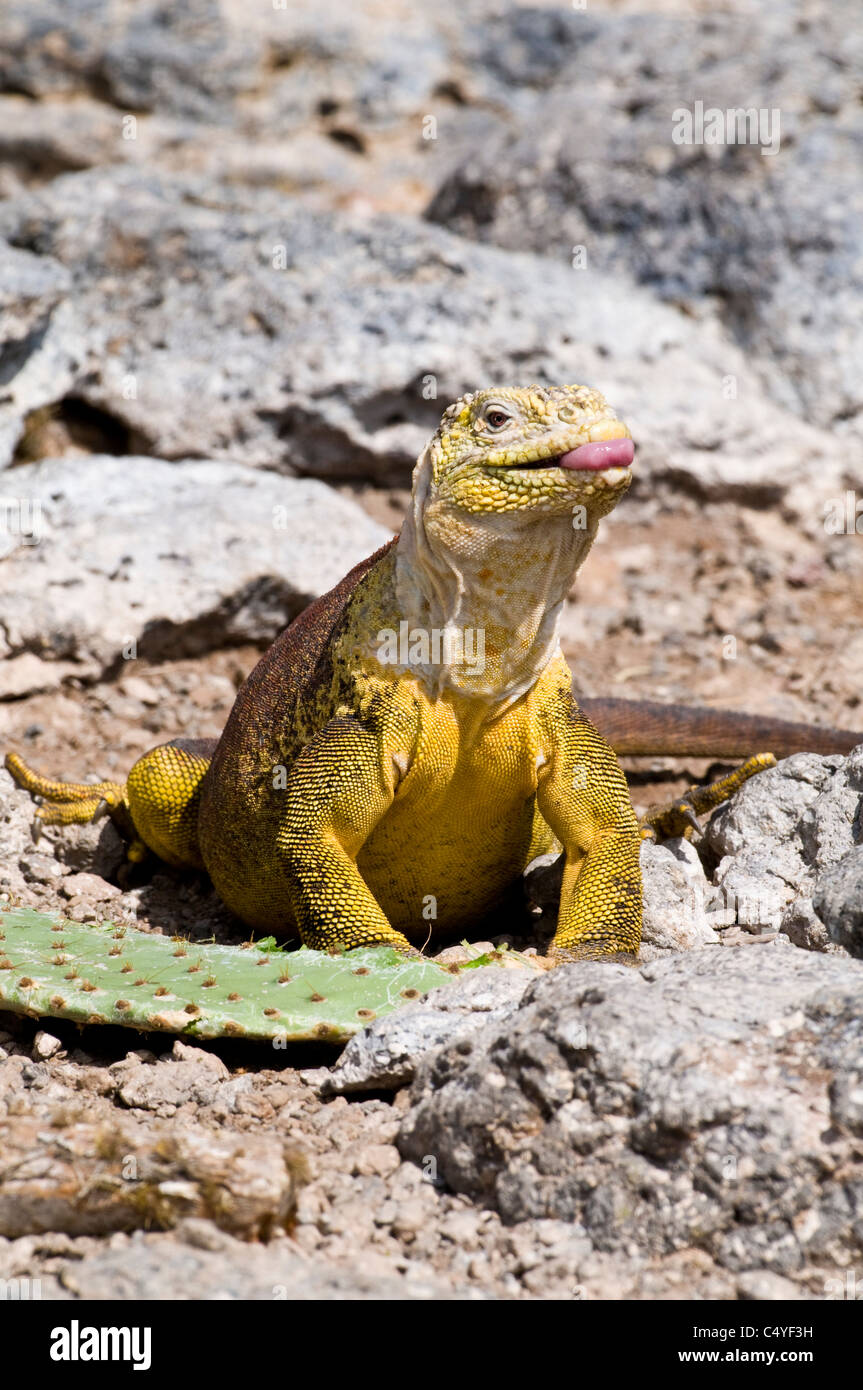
x: 115, y: 974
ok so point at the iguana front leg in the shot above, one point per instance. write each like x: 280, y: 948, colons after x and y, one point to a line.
x: 338, y: 789
x: 583, y: 797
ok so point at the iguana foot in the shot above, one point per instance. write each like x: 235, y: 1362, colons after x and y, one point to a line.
x: 356, y: 938
x: 680, y: 816
x: 66, y: 803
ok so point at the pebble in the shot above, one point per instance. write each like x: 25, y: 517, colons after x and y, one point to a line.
x: 45, y: 1045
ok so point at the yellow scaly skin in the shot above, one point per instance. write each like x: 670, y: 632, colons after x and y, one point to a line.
x: 414, y: 796
x: 361, y: 795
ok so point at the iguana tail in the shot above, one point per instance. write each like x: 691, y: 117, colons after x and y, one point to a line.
x: 638, y: 727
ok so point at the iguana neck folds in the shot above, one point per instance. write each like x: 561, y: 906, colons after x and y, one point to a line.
x: 493, y: 586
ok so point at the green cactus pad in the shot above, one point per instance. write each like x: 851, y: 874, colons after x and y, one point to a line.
x: 115, y: 974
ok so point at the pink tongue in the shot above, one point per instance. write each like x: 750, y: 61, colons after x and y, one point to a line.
x: 604, y: 453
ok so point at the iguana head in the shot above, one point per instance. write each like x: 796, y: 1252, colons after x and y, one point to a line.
x: 507, y: 497
x: 538, y: 449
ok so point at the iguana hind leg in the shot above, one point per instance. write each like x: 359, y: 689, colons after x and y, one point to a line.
x: 163, y: 792
x: 156, y: 809
x: 680, y: 816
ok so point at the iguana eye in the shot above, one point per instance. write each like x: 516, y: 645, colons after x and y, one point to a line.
x: 497, y: 418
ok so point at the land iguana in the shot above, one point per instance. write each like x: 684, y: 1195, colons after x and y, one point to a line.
x: 412, y: 738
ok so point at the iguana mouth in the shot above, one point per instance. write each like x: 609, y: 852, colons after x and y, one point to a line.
x: 592, y: 457
x: 601, y: 453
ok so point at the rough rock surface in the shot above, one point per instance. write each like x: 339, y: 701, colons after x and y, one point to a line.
x: 73, y: 1164
x: 708, y: 1100
x: 159, y: 580
x: 199, y: 1265
x: 91, y: 1180
x: 838, y: 901
x: 385, y: 1055
x: 770, y: 241
x: 780, y: 837
x: 237, y: 298
x: 675, y: 896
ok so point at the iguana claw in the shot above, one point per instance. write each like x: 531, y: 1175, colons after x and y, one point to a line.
x: 680, y: 816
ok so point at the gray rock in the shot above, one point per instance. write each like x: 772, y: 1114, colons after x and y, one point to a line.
x: 31, y: 289
x: 675, y: 896
x: 525, y: 47
x: 185, y: 59
x: 771, y: 805
x: 37, y: 60
x: 803, y: 927
x: 385, y: 1055
x: 295, y: 97
x: 775, y: 839
x: 185, y: 290
x: 834, y: 819
x: 191, y: 1076
x: 16, y: 842
x: 160, y: 1267
x: 370, y: 67
x: 721, y: 227
x: 763, y: 1286
x: 86, y: 1178
x: 41, y: 868
x: 709, y: 1099
x: 154, y: 579
x: 765, y: 250
x: 39, y: 141
x: 367, y: 67
x: 838, y: 901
